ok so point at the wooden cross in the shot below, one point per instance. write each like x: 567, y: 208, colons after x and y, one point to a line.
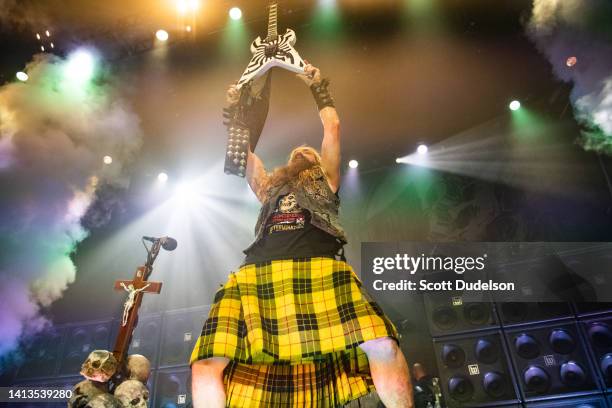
x: 136, y: 288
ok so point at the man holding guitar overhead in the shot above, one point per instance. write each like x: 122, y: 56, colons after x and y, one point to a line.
x: 293, y: 327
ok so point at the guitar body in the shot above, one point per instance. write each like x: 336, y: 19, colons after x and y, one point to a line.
x: 279, y: 52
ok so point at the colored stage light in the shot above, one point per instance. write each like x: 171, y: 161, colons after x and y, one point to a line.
x: 188, y: 28
x: 162, y: 177
x: 108, y: 160
x: 80, y: 66
x: 353, y: 164
x: 422, y: 149
x: 162, y: 35
x: 571, y: 61
x: 515, y: 105
x: 22, y: 76
x: 235, y: 13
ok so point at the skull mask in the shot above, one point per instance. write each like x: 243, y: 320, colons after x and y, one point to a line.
x: 132, y: 393
x: 100, y: 366
x: 84, y: 392
x: 138, y: 368
x: 104, y: 401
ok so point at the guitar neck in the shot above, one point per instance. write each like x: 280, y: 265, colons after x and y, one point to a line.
x: 272, y: 21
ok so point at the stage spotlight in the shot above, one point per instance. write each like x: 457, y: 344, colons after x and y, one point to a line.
x: 22, y: 76
x: 188, y: 28
x: 80, y: 66
x: 162, y: 177
x: 515, y: 105
x: 353, y: 164
x: 422, y: 149
x: 162, y: 35
x: 571, y: 61
x: 47, y: 33
x: 108, y: 160
x: 37, y: 36
x: 235, y: 13
x: 52, y: 45
x: 42, y: 48
x: 399, y: 160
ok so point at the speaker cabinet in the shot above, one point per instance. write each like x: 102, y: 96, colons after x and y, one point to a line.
x: 590, y: 263
x: 181, y: 329
x: 42, y: 355
x: 81, y: 340
x: 598, y: 332
x: 550, y: 360
x: 173, y: 388
x: 449, y: 314
x: 520, y: 313
x: 584, y: 402
x: 474, y: 370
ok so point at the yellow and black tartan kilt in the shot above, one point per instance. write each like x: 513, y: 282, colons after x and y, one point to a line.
x: 291, y: 329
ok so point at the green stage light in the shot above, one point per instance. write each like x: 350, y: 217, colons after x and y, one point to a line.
x: 515, y: 105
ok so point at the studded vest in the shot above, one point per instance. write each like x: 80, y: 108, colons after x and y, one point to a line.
x: 319, y: 199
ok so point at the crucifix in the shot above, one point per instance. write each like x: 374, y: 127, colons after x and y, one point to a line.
x: 136, y: 288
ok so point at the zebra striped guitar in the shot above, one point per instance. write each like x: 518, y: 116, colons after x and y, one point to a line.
x: 276, y: 50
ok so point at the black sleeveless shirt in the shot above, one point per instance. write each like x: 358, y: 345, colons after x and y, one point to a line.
x: 289, y: 234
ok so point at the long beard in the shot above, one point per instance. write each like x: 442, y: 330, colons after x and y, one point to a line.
x: 298, y: 172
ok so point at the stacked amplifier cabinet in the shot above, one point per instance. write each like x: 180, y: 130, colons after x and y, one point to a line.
x: 475, y: 371
x: 471, y: 354
x: 80, y: 340
x: 180, y: 331
x: 551, y: 361
x: 42, y: 356
x: 598, y: 333
x: 173, y: 388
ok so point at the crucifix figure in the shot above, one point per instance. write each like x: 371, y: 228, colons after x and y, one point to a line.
x: 129, y: 302
x: 135, y: 288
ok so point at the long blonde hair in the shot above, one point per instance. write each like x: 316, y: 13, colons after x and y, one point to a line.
x: 298, y: 171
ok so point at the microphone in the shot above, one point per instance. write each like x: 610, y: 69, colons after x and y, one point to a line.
x: 169, y: 244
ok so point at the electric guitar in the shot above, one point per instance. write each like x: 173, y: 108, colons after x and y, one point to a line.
x: 273, y: 51
x: 276, y: 50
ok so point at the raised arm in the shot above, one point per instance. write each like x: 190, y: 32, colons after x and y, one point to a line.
x: 256, y: 176
x: 330, y: 147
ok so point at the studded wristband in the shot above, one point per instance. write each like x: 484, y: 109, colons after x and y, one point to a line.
x: 321, y: 94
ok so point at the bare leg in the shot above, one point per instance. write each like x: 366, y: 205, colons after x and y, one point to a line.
x: 389, y: 372
x: 207, y: 382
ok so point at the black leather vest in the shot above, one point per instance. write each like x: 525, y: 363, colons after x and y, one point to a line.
x: 319, y: 199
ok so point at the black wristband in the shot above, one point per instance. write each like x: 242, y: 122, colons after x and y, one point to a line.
x: 321, y: 94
